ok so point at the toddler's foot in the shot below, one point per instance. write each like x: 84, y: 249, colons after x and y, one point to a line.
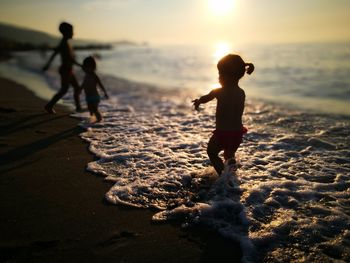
x: 78, y: 109
x: 49, y: 109
x: 232, y: 163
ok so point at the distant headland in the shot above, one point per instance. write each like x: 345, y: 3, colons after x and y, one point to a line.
x: 15, y: 38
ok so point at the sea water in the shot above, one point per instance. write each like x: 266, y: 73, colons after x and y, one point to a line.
x: 289, y: 198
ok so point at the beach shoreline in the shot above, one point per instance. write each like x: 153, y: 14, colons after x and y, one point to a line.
x: 53, y: 210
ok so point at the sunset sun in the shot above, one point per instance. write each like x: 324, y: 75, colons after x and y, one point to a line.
x: 220, y: 7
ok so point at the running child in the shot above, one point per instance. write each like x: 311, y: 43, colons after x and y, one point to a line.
x: 66, y: 69
x: 229, y: 110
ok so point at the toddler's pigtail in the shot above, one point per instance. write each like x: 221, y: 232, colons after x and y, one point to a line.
x: 249, y: 68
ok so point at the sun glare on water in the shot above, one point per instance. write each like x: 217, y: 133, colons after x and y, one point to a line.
x: 220, y: 7
x: 221, y: 49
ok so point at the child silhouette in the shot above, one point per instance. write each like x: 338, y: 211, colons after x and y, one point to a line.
x: 66, y: 69
x: 229, y: 110
x: 90, y: 82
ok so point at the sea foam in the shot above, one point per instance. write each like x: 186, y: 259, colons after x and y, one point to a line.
x: 288, y: 200
x: 292, y: 188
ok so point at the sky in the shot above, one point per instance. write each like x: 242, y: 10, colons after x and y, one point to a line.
x: 187, y: 21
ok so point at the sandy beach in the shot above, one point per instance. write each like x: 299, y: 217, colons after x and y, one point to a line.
x: 52, y: 210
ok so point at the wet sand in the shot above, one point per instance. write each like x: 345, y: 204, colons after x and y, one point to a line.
x: 52, y: 210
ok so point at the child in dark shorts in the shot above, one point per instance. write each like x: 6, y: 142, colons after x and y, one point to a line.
x: 90, y: 82
x: 66, y: 69
x: 229, y: 110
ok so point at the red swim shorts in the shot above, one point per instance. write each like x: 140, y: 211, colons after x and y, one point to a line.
x: 229, y: 141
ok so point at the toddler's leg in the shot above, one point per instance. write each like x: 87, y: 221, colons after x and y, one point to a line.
x: 77, y: 91
x: 229, y: 154
x: 213, y: 152
x: 98, y: 115
x: 90, y: 108
x: 96, y: 112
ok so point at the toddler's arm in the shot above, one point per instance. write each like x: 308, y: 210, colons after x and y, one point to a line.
x: 76, y: 63
x: 204, y: 99
x: 101, y: 86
